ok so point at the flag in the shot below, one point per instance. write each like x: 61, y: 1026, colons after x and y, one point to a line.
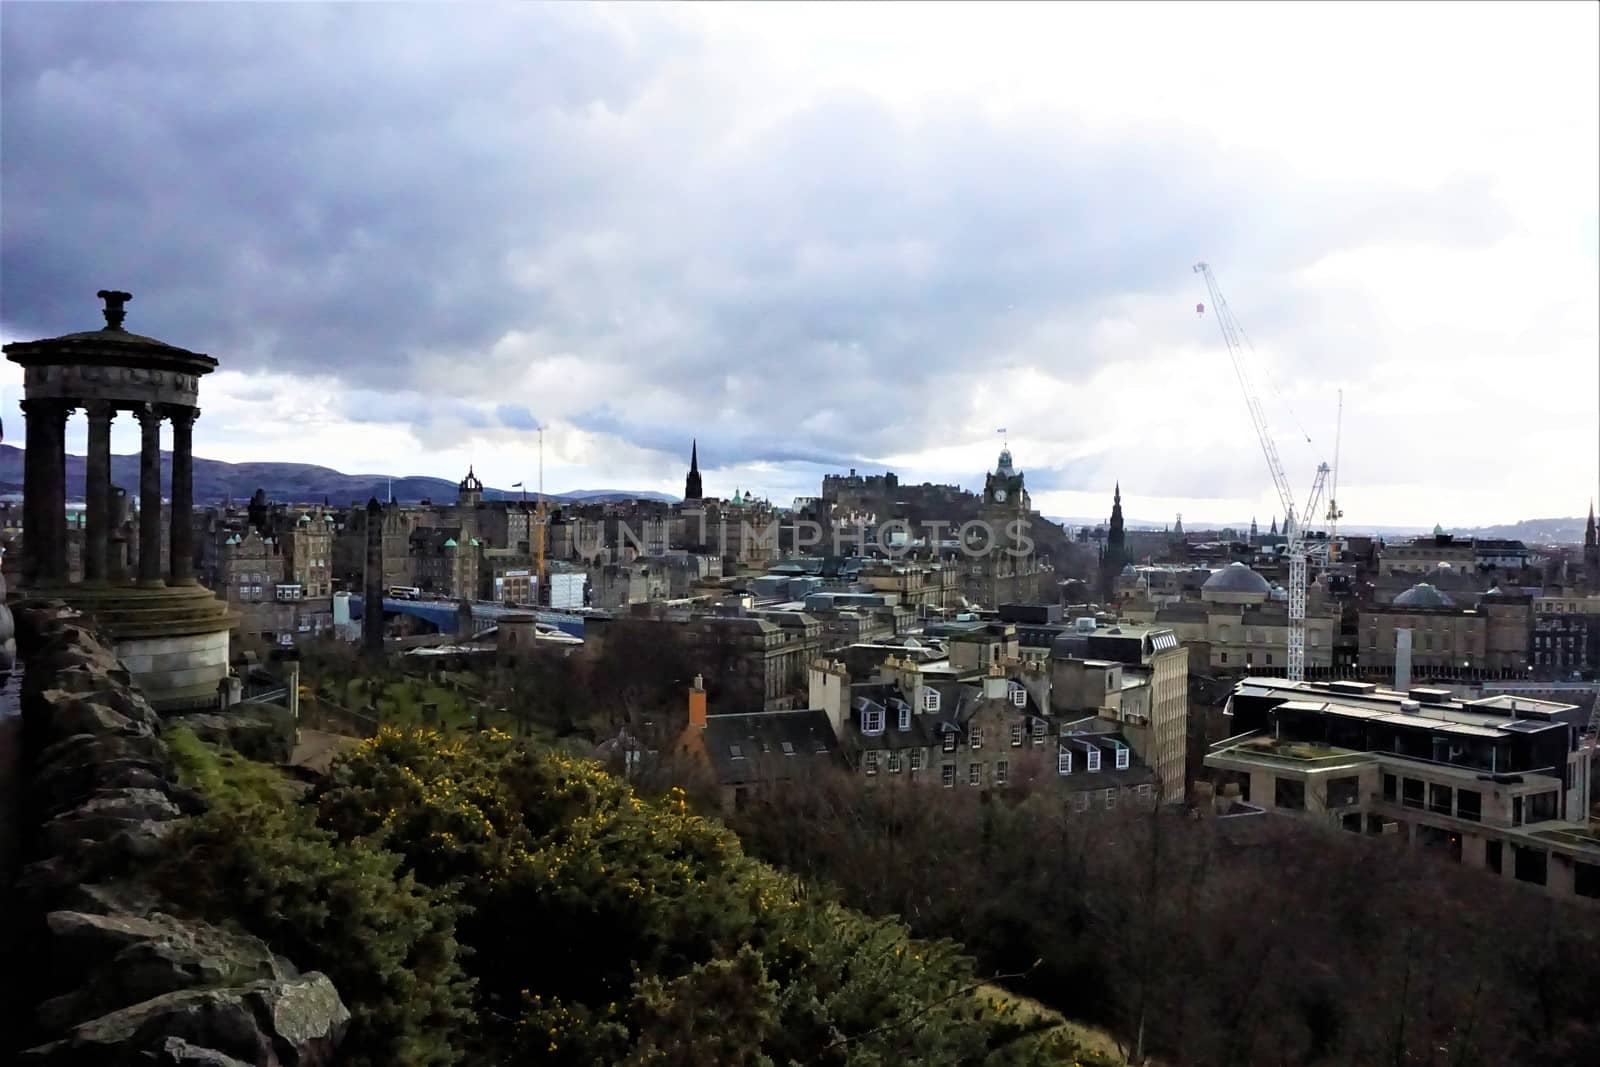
x: 516, y: 485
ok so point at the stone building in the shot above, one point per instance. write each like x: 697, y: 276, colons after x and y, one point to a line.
x: 904, y: 727
x: 1445, y: 639
x: 1566, y: 635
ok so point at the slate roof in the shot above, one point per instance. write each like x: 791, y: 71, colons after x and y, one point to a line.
x: 769, y: 746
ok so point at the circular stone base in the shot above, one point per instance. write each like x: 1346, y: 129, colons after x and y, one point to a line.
x: 173, y: 640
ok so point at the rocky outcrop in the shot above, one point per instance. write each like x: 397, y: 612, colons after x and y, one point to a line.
x: 120, y: 979
x: 258, y: 731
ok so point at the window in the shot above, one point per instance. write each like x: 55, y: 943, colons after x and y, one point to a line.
x: 1269, y: 659
x: 894, y: 763
x: 1144, y: 792
x: 948, y: 774
x: 1094, y: 758
x: 1249, y: 658
x: 1469, y: 805
x: 1016, y: 734
x: 736, y: 751
x: 1540, y: 807
x: 871, y: 764
x: 1586, y: 879
x: 950, y: 741
x: 1111, y: 799
x: 1411, y: 792
x: 1108, y: 682
x: 1439, y: 799
x: 916, y: 760
x: 905, y: 715
x: 1222, y: 657
x: 1063, y: 760
x: 975, y: 737
x: 788, y: 748
x: 1001, y: 769
x: 1289, y: 793
x: 1122, y: 757
x: 974, y: 774
x: 1390, y: 787
x: 1019, y: 696
x: 872, y: 721
x: 930, y: 700
x: 1081, y: 801
x: 1530, y: 864
x: 1344, y: 792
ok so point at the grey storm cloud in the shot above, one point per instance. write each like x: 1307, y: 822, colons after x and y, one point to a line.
x: 372, y: 191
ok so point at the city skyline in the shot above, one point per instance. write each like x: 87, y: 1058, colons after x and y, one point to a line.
x: 825, y: 240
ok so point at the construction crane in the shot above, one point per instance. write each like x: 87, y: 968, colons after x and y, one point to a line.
x: 1295, y: 520
x: 539, y: 523
x: 1335, y: 513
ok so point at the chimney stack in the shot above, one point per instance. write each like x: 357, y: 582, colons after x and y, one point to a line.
x: 697, y: 703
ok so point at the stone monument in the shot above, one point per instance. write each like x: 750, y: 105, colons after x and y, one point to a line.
x: 171, y: 632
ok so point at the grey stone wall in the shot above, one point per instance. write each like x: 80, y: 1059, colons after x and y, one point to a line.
x: 112, y: 976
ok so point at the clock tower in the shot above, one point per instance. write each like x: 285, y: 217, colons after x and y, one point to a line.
x: 1003, y: 492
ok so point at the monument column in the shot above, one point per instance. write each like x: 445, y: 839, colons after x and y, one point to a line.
x: 181, y: 564
x: 45, y: 489
x: 34, y: 524
x: 97, y: 493
x: 149, y: 417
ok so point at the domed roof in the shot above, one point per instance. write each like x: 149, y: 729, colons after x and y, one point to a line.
x: 1423, y: 595
x: 1236, y: 578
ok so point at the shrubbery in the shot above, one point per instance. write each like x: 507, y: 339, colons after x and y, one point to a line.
x: 599, y: 927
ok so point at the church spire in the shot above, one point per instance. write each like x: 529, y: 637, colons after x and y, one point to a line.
x: 691, y: 484
x: 1589, y: 531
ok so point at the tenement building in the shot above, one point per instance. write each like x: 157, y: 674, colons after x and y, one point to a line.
x: 171, y: 632
x: 1500, y: 784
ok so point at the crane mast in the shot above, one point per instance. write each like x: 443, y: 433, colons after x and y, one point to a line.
x: 539, y: 524
x: 1295, y: 532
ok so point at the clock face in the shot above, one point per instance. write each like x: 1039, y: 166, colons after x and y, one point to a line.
x: 999, y: 496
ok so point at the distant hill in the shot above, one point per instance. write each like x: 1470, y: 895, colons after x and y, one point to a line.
x: 1533, y: 531
x: 215, y: 481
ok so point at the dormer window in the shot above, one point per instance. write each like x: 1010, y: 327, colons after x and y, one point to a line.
x: 1063, y: 760
x: 905, y: 714
x: 930, y: 700
x: 1122, y: 757
x: 872, y: 720
x: 1094, y: 759
x: 1019, y: 696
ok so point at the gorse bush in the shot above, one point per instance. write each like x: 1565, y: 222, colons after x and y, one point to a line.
x: 606, y: 928
x: 342, y: 907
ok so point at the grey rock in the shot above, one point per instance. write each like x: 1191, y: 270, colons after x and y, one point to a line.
x: 65, y: 786
x: 259, y: 731
x: 297, y: 1021
x: 176, y: 1052
x: 49, y: 883
x: 123, y: 960
x: 80, y: 749
x: 105, y: 814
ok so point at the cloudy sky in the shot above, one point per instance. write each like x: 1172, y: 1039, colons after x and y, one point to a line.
x: 839, y: 236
